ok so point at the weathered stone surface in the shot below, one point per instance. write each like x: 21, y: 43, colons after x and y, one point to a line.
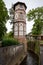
x: 7, y: 54
x: 41, y: 55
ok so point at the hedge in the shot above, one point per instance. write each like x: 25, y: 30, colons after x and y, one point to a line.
x: 9, y: 42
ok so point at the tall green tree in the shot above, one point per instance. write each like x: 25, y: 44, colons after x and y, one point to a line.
x: 3, y: 18
x: 8, y: 35
x: 12, y: 18
x: 36, y: 15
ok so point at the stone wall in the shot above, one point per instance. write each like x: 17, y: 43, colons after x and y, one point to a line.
x: 7, y: 53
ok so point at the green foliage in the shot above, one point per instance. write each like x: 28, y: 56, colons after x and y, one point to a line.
x: 3, y: 18
x: 34, y: 46
x: 37, y: 16
x: 8, y: 35
x: 9, y: 42
x: 37, y: 27
x: 11, y: 11
x: 31, y: 45
x: 41, y: 41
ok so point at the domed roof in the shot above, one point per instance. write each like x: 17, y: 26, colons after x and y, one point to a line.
x: 19, y: 3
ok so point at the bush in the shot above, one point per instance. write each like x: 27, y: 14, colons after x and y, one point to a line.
x: 9, y: 42
x: 31, y: 45
x: 34, y: 46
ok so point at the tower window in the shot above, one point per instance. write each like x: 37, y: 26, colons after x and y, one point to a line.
x: 20, y: 26
x: 16, y: 27
x: 20, y: 32
x: 21, y: 6
x: 21, y: 15
x: 16, y: 33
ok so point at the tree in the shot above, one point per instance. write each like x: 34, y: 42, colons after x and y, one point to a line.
x: 37, y: 16
x: 3, y: 18
x: 8, y: 35
x: 12, y: 18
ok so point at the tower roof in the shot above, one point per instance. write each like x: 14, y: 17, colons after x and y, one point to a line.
x: 19, y: 3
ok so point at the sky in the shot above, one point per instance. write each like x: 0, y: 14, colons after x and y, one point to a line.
x: 30, y: 5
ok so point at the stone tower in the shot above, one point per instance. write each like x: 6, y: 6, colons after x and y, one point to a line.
x: 20, y: 21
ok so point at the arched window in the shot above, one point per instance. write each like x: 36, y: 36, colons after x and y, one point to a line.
x: 21, y: 6
x: 21, y: 26
x: 21, y: 15
x: 16, y: 27
x: 24, y: 27
x: 16, y: 33
x: 20, y: 32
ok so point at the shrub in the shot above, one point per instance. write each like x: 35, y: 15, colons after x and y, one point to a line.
x: 31, y: 45
x: 34, y: 46
x: 9, y: 42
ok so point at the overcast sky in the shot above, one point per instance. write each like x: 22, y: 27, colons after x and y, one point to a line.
x: 30, y: 4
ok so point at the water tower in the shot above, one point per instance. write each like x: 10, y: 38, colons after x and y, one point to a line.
x: 19, y: 25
